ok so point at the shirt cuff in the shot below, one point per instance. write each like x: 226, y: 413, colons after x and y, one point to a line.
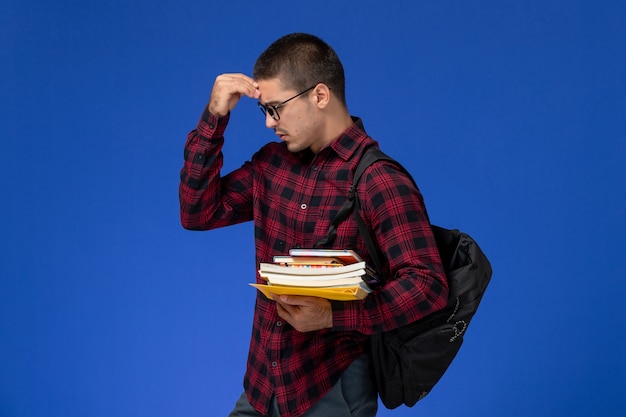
x: 211, y: 126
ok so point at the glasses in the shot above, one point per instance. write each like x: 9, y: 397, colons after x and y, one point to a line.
x: 272, y: 110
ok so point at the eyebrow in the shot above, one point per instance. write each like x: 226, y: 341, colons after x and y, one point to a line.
x: 270, y: 103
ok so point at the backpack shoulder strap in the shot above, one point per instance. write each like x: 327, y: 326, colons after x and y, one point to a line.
x: 371, y: 156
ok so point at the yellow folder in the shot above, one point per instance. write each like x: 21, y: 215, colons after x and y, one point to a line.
x: 331, y: 293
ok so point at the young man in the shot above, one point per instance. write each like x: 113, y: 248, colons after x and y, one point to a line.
x: 309, y: 356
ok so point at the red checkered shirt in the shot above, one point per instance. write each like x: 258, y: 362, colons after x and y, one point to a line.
x: 292, y: 197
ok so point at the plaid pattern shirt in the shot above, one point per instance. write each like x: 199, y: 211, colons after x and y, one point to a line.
x: 292, y: 198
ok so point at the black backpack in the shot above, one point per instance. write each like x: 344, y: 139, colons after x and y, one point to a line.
x: 407, y: 362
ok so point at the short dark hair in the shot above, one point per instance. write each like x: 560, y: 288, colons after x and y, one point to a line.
x: 301, y: 60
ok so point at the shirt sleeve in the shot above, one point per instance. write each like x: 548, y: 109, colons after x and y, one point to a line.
x: 393, y: 209
x: 208, y: 200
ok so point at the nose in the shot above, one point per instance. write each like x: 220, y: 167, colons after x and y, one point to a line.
x: 270, y: 123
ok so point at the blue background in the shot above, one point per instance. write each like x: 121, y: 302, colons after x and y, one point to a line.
x: 510, y: 115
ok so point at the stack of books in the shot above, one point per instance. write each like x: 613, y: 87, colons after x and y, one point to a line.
x: 327, y: 273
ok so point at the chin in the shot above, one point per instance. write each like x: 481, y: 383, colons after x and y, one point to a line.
x: 295, y: 148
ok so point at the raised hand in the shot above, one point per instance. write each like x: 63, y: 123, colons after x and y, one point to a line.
x: 228, y: 90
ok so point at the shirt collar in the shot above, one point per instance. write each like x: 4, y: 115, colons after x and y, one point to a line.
x: 352, y: 139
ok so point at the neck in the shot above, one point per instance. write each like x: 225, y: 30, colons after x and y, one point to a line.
x: 337, y: 122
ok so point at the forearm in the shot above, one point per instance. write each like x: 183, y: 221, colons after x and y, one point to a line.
x: 412, y: 295
x: 207, y: 200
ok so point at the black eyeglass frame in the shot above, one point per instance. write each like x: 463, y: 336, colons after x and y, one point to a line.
x: 273, y: 109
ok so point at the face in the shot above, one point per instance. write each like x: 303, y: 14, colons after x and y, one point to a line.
x: 298, y: 123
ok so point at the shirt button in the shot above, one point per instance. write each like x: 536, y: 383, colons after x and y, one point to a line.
x: 315, y: 168
x: 303, y: 206
x: 274, y: 364
x: 279, y: 323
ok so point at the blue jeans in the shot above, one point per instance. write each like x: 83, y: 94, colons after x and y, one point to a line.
x: 354, y: 395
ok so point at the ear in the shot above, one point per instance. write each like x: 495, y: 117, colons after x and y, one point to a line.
x: 321, y: 95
